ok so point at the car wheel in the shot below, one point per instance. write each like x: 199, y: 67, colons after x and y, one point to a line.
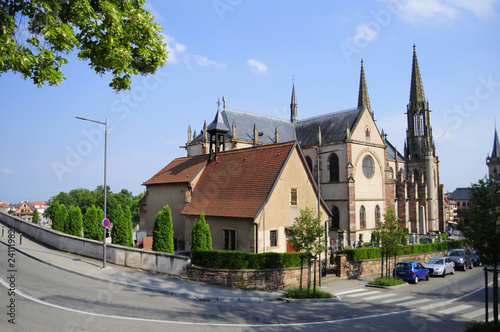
x: 471, y: 266
x: 465, y: 267
x: 453, y: 270
x: 444, y: 273
x: 427, y: 277
x: 416, y: 280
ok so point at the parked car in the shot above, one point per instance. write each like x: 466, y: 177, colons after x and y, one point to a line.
x: 462, y: 258
x: 440, y: 266
x: 411, y: 271
x: 475, y: 257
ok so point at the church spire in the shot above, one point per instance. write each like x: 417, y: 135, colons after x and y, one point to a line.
x: 496, y: 146
x: 417, y: 88
x: 363, y: 98
x: 293, y: 107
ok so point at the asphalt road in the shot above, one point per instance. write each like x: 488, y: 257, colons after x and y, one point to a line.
x: 48, y: 299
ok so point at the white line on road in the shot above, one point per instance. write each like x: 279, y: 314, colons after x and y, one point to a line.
x: 398, y: 299
x: 455, y: 309
x: 415, y: 302
x: 376, y: 297
x: 363, y: 294
x: 352, y: 291
x: 475, y: 313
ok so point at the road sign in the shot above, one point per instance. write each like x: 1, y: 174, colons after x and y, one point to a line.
x: 105, y: 222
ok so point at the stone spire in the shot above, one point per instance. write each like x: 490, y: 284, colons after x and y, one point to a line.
x: 417, y: 88
x: 293, y: 107
x: 363, y: 98
x: 496, y: 146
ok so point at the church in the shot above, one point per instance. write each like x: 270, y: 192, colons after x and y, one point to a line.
x: 346, y: 168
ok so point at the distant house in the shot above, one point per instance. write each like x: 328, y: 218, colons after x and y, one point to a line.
x: 25, y: 210
x: 250, y: 197
x: 4, y: 207
x: 462, y: 198
x: 41, y: 206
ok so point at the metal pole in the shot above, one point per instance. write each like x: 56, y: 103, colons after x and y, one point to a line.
x: 486, y: 294
x: 319, y: 206
x: 105, y: 190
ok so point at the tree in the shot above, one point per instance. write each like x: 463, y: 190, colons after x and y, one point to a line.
x: 35, y: 216
x: 306, y: 235
x: 200, y: 235
x: 74, y: 221
x: 60, y: 216
x: 127, y: 216
x: 120, y: 233
x: 116, y: 36
x: 483, y: 229
x: 390, y: 235
x: 92, y: 227
x: 163, y: 231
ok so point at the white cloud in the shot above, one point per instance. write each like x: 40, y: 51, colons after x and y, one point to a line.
x: 364, y: 34
x: 257, y: 67
x: 175, y: 50
x: 6, y: 170
x: 438, y: 11
x: 203, y: 61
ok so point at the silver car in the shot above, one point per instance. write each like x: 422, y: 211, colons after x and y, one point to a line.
x: 440, y: 266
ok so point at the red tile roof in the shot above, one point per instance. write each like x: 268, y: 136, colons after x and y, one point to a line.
x: 239, y: 182
x: 179, y: 170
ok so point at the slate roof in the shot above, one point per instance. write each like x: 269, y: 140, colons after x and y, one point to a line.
x: 391, y: 151
x: 333, y: 127
x: 179, y: 170
x: 245, y: 122
x: 239, y: 182
x: 460, y: 194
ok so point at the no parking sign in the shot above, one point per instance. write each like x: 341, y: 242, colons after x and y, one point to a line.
x: 105, y: 222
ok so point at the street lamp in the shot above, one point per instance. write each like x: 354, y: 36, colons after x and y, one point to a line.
x: 319, y: 203
x: 105, y: 123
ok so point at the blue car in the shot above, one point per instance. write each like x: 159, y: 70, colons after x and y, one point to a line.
x: 411, y: 271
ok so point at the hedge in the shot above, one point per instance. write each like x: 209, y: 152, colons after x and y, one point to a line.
x: 237, y: 260
x: 360, y: 254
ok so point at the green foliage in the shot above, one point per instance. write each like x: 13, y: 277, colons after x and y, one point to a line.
x: 92, y: 223
x: 307, y: 233
x: 387, y: 281
x: 374, y: 253
x: 163, y: 232
x: 60, y: 217
x: 128, y: 218
x: 483, y: 230
x: 481, y: 327
x: 298, y: 293
x: 120, y: 233
x: 115, y: 36
x: 236, y: 260
x: 35, y: 216
x: 200, y: 235
x: 74, y: 221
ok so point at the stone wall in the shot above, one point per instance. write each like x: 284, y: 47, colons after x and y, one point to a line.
x: 115, y: 254
x: 372, y: 267
x: 269, y: 279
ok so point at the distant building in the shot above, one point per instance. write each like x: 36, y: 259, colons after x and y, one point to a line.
x: 462, y: 197
x: 25, y: 210
x: 493, y: 161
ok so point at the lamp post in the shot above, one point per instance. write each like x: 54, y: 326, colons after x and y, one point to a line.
x: 319, y: 201
x: 105, y: 123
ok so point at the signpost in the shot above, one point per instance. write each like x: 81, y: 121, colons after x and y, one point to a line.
x: 105, y: 223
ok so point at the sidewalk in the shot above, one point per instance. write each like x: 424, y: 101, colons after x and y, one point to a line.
x: 169, y: 285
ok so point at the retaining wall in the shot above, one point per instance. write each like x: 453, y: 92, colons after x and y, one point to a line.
x: 115, y: 254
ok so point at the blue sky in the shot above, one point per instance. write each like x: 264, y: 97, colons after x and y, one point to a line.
x: 250, y: 51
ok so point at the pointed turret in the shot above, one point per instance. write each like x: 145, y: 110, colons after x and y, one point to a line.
x: 417, y: 88
x: 293, y: 107
x: 363, y: 98
x: 493, y: 162
x: 496, y: 146
x: 217, y: 130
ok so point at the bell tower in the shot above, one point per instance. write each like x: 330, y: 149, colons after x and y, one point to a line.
x: 422, y: 164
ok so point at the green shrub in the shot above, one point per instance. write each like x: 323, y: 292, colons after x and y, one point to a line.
x: 297, y: 293
x: 387, y: 281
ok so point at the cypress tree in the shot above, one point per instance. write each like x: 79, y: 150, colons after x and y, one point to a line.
x: 74, y: 222
x: 118, y: 233
x: 60, y: 217
x: 35, y: 216
x: 200, y: 235
x: 91, y: 222
x: 127, y: 215
x: 163, y: 231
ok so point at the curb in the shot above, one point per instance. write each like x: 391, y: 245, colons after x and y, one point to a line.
x: 387, y: 287
x: 334, y: 299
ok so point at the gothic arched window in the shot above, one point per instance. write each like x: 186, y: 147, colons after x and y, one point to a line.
x: 362, y: 217
x: 334, y: 168
x: 377, y: 215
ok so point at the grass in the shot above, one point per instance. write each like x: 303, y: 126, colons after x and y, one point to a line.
x: 387, y: 281
x: 481, y: 327
x: 296, y: 293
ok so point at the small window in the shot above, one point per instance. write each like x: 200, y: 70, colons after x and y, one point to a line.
x: 293, y: 196
x: 229, y: 239
x: 377, y: 216
x: 335, y: 218
x: 273, y: 238
x: 367, y: 133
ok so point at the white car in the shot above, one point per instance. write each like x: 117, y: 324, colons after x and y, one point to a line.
x: 440, y: 266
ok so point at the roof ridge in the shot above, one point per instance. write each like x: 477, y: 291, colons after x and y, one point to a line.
x: 255, y: 114
x: 354, y: 109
